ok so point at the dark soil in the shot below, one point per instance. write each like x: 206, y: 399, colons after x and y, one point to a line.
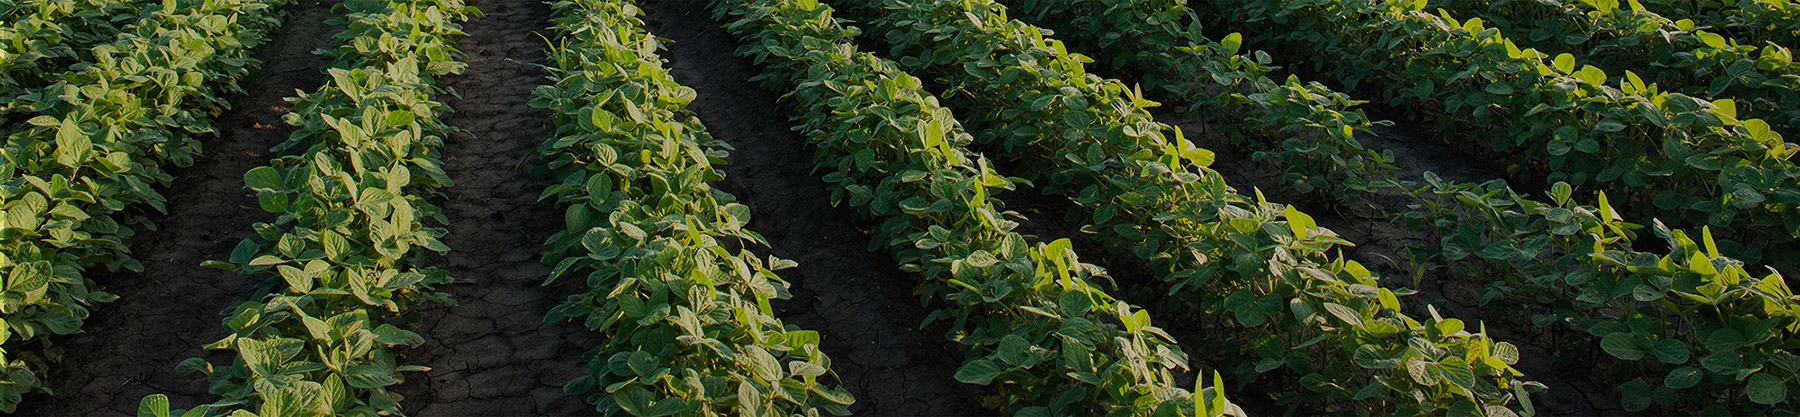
x: 493, y: 354
x: 861, y: 302
x: 129, y: 348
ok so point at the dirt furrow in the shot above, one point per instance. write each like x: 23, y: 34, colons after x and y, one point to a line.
x: 129, y: 348
x: 492, y: 354
x: 861, y: 302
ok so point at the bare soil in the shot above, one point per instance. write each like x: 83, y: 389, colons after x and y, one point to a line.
x: 129, y: 348
x: 493, y: 354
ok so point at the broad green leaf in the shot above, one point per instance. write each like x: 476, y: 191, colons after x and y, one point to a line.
x: 1300, y: 223
x: 266, y: 358
x: 1421, y: 372
x: 1012, y: 350
x: 750, y: 401
x: 1671, y: 351
x: 634, y: 399
x: 766, y: 366
x: 1712, y: 39
x: 263, y: 178
x: 1458, y: 372
x: 1388, y: 300
x: 155, y: 405
x: 1507, y: 353
x: 1634, y: 395
x: 1344, y: 313
x: 1724, y: 340
x: 1565, y: 63
x: 1499, y: 88
x: 978, y: 372
x: 1766, y: 389
x: 369, y: 376
x: 1622, y: 346
x: 1683, y: 377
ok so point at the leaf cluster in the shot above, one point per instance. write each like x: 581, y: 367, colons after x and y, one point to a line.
x: 1147, y: 191
x: 1662, y: 154
x: 688, y: 323
x: 77, y: 175
x: 1674, y: 53
x: 350, y: 194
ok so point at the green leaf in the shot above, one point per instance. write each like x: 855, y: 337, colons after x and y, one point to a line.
x: 1766, y: 389
x: 29, y: 278
x: 1233, y: 43
x: 1591, y: 76
x: 1300, y: 223
x: 634, y: 399
x: 642, y: 363
x: 1634, y: 395
x: 369, y: 376
x: 335, y: 395
x: 750, y: 400
x: 400, y: 118
x: 666, y: 407
x: 262, y: 178
x: 1458, y: 372
x: 1671, y: 351
x: 1724, y: 340
x: 1388, y: 300
x: 1507, y: 353
x: 1344, y: 313
x: 1499, y: 88
x: 72, y: 145
x: 1012, y: 350
x: 1712, y: 39
x: 1565, y: 63
x: 266, y: 358
x: 389, y: 335
x: 1683, y: 377
x: 155, y: 405
x: 978, y: 372
x: 1622, y: 346
x: 297, y: 279
x: 766, y: 366
x: 1421, y: 372
x: 1704, y: 161
x: 1609, y: 125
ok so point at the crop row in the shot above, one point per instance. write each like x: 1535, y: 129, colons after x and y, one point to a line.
x: 1676, y: 54
x: 688, y: 324
x: 1304, y: 128
x: 77, y: 178
x: 341, y: 259
x: 40, y: 39
x: 1147, y: 192
x: 1636, y: 305
x: 1053, y: 342
x: 1663, y: 154
x: 1757, y: 21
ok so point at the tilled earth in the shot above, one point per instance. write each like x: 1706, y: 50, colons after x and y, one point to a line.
x: 492, y: 353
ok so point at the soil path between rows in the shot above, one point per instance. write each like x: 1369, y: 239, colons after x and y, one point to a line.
x: 129, y: 348
x: 861, y: 302
x: 493, y: 354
